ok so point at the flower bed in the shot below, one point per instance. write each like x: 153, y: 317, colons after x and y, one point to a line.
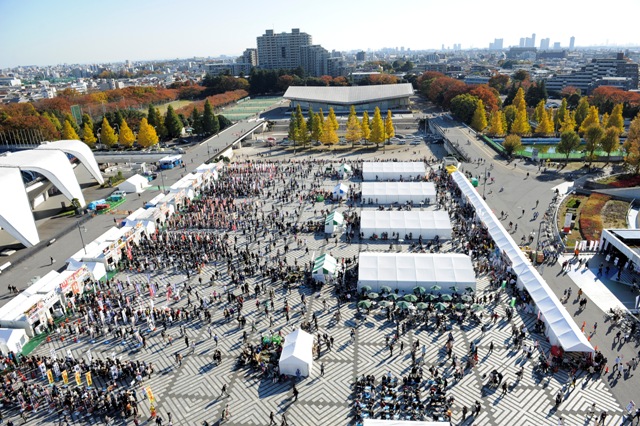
x: 590, y: 218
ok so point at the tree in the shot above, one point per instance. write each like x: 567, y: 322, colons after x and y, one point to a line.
x: 147, y: 135
x: 196, y: 122
x: 87, y: 135
x: 67, y: 131
x: 519, y: 101
x: 364, y: 125
x: 354, y: 131
x: 333, y: 120
x: 86, y: 119
x: 591, y: 119
x: 53, y: 119
x: 68, y: 117
x: 581, y: 111
x: 569, y: 142
x: 155, y: 120
x: 510, y: 113
x: 292, y: 134
x: 569, y: 122
x: 545, y: 125
x: 329, y: 135
x: 317, y: 126
x: 377, y: 128
x: 310, y: 115
x: 610, y: 141
x: 500, y: 82
x: 463, y: 107
x: 301, y: 130
x: 537, y: 113
x: 495, y: 124
x: 511, y: 144
x: 126, y: 137
x: 632, y: 145
x: 537, y: 92
x: 592, y: 137
x: 561, y: 114
x: 615, y: 119
x: 173, y: 123
x: 210, y: 123
x: 388, y: 126
x: 107, y: 135
x: 479, y: 120
x: 521, y: 124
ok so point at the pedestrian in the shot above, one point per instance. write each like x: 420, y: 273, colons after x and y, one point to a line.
x: 595, y: 327
x: 224, y: 390
x: 186, y: 341
x: 52, y: 260
x: 465, y: 410
x: 603, y: 417
x: 284, y: 420
x: 504, y: 388
x: 322, y: 369
x: 272, y: 419
x: 295, y: 393
x: 490, y: 348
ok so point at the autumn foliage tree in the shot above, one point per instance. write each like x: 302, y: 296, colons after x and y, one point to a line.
x: 354, y: 131
x: 632, y: 145
x: 377, y: 128
x: 125, y: 137
x: 107, y: 136
x: 479, y: 119
x: 68, y: 133
x: 389, y: 130
x: 496, y: 127
x: 610, y: 141
x: 569, y: 142
x: 147, y: 135
x: 511, y: 144
x: 365, y: 126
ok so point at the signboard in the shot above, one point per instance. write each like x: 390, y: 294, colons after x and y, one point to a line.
x: 75, y: 280
x: 567, y: 223
x: 89, y: 380
x: 78, y: 379
x: 50, y: 376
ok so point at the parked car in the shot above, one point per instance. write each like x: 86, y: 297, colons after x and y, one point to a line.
x: 415, y: 142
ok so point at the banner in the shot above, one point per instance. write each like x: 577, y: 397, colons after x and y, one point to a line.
x: 513, y: 302
x: 78, y: 379
x: 50, y: 376
x: 65, y: 377
x: 88, y: 377
x: 152, y: 399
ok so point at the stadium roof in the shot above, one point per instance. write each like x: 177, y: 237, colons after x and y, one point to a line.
x: 348, y: 95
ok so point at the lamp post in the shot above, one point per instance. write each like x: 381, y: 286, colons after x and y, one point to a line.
x: 542, y: 222
x: 80, y: 230
x: 484, y: 184
x: 162, y: 178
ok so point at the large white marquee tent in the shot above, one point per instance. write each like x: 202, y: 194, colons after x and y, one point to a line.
x: 297, y: 354
x: 403, y: 271
x: 384, y: 171
x: 561, y: 328
x: 427, y: 224
x: 398, y: 192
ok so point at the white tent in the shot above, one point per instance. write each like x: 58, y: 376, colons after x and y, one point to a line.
x: 561, y: 328
x: 297, y: 354
x: 427, y: 224
x: 384, y: 171
x: 12, y: 340
x: 340, y: 191
x: 135, y: 184
x: 398, y: 192
x: 333, y: 223
x: 324, y: 267
x: 376, y: 422
x: 344, y: 170
x: 407, y: 270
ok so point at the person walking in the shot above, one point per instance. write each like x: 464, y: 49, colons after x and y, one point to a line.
x: 602, y: 418
x: 505, y: 388
x: 284, y: 420
x: 223, y: 391
x: 322, y: 369
x: 295, y: 393
x: 272, y: 419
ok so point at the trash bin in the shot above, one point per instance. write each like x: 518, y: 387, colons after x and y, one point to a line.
x: 474, y: 182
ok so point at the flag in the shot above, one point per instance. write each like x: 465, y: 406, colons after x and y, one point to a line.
x: 50, y: 376
x: 152, y: 399
x: 504, y: 283
x: 65, y: 377
x: 513, y: 302
x: 78, y: 378
x: 88, y: 377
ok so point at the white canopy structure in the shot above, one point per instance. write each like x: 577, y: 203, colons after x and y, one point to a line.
x: 403, y: 271
x: 427, y: 224
x: 12, y: 340
x: 385, y: 171
x: 16, y: 217
x: 333, y: 223
x: 398, y: 192
x: 344, y: 170
x: 340, y: 191
x: 78, y: 149
x: 297, y: 354
x: 561, y: 328
x: 324, y: 267
x: 134, y: 185
x: 377, y: 422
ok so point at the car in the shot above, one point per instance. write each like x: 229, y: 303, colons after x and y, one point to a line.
x: 416, y: 142
x: 400, y: 136
x: 402, y: 142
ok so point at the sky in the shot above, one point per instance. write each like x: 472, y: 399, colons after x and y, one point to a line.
x: 50, y: 32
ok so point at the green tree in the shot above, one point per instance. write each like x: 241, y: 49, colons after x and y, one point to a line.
x: 292, y: 134
x: 354, y: 131
x: 156, y: 121
x: 510, y: 113
x: 377, y: 128
x: 463, y: 107
x: 125, y: 137
x: 173, y: 123
x: 581, y: 111
x: 364, y: 125
x: 107, y: 135
x: 569, y: 142
x: 68, y: 132
x: 592, y: 137
x: 68, y: 117
x: 329, y: 135
x: 569, y: 122
x: 632, y: 145
x: 521, y: 124
x: 610, y: 141
x: 389, y: 130
x: 310, y: 115
x: 54, y: 120
x: 196, y: 122
x: 560, y: 116
x: 545, y: 125
x: 86, y: 119
x: 147, y: 135
x: 511, y: 144
x: 479, y: 120
x: 333, y: 120
x: 615, y: 119
x: 591, y: 119
x: 87, y: 136
x: 495, y: 124
x: 210, y: 123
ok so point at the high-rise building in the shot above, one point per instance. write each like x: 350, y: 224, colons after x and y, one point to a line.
x: 522, y: 42
x: 497, y: 44
x: 556, y: 45
x: 572, y: 43
x: 313, y: 60
x: 544, y: 43
x: 530, y: 41
x: 281, y: 51
x: 361, y: 56
x: 250, y: 56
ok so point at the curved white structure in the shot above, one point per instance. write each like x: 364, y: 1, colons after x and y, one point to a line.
x: 79, y: 150
x: 15, y: 213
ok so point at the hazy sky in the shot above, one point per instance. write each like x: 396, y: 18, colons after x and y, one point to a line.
x: 48, y: 32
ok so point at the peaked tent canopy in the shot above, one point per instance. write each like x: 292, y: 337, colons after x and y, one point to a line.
x: 399, y: 192
x: 135, y: 184
x: 297, y: 354
x: 427, y: 224
x: 386, y: 171
x: 333, y: 222
x: 345, y: 170
x: 340, y: 191
x: 324, y: 266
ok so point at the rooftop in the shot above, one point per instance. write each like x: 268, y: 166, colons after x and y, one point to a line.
x: 349, y: 95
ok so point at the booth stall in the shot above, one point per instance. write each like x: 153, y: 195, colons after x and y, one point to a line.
x: 154, y: 201
x: 387, y: 171
x: 325, y: 268
x: 297, y: 354
x: 344, y: 171
x: 376, y: 422
x: 404, y: 271
x: 334, y: 223
x: 12, y: 340
x: 408, y: 224
x: 134, y: 185
x: 398, y: 192
x: 340, y: 192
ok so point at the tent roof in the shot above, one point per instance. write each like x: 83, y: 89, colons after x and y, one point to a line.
x: 403, y: 189
x: 10, y: 335
x: 415, y: 219
x: 136, y: 180
x: 325, y: 262
x: 335, y: 217
x: 349, y: 95
x: 409, y: 167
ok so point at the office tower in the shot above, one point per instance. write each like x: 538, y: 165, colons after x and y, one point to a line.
x: 313, y: 60
x: 522, y: 42
x: 544, y: 44
x: 572, y: 43
x: 281, y: 51
x: 556, y: 45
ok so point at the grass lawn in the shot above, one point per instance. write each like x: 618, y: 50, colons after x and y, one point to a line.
x: 174, y: 104
x: 614, y: 214
x: 575, y: 231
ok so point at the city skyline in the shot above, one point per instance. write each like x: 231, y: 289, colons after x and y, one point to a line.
x: 164, y: 29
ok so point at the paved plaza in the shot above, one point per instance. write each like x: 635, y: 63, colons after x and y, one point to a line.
x: 192, y: 392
